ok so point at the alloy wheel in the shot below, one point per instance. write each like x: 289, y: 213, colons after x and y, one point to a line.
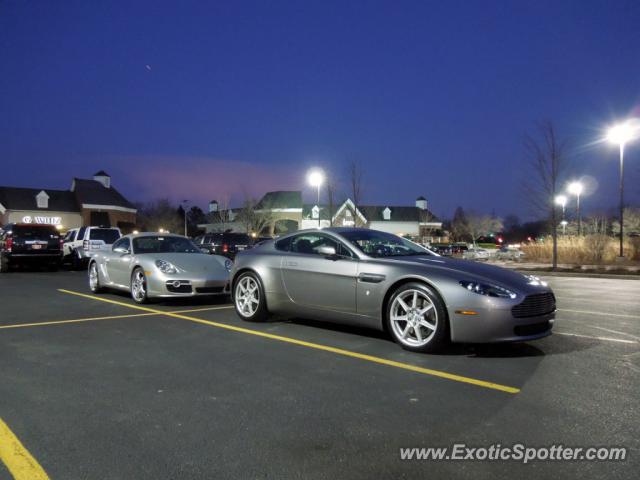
x: 414, y: 318
x: 247, y: 296
x: 138, y: 286
x: 93, y: 277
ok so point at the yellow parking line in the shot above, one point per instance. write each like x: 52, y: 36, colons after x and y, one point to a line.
x: 17, y: 458
x: 317, y: 346
x: 111, y: 317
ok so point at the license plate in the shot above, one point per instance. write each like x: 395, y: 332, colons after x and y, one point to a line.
x: 36, y: 247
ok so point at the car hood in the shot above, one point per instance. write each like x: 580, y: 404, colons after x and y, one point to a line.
x: 466, y: 269
x: 191, y: 262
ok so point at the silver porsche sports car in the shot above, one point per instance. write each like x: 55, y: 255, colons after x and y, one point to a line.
x: 153, y: 265
x: 379, y: 280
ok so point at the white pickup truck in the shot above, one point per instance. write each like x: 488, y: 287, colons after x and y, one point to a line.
x: 80, y: 244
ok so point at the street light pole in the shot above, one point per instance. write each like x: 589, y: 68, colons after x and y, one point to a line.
x: 315, y: 179
x: 621, y: 134
x: 621, y: 199
x: 318, y: 205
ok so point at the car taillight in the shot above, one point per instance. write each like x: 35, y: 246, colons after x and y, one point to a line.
x: 61, y: 243
x: 8, y: 244
x: 85, y: 244
x: 225, y: 248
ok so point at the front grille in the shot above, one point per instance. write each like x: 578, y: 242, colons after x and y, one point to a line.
x: 209, y: 289
x: 535, y: 305
x: 533, y: 329
x: 181, y: 288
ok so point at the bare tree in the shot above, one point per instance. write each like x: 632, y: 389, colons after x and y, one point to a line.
x: 160, y: 214
x: 481, y: 225
x: 255, y: 217
x: 355, y: 175
x: 548, y: 162
x: 459, y: 227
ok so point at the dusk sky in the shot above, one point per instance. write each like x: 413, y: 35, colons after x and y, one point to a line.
x: 203, y: 100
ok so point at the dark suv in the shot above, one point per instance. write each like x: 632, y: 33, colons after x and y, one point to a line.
x: 227, y: 244
x: 22, y: 243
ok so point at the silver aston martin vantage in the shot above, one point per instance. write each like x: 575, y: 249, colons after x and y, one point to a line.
x: 375, y: 279
x: 153, y: 265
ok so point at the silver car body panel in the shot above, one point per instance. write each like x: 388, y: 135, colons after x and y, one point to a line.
x: 354, y: 290
x: 199, y: 270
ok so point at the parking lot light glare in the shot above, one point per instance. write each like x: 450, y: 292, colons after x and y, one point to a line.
x: 622, y: 133
x: 316, y: 179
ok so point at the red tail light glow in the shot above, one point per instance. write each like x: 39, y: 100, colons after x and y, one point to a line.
x: 225, y: 248
x: 8, y: 244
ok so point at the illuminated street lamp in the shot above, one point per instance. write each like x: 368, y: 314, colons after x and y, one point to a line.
x: 620, y: 135
x: 316, y: 179
x: 575, y: 188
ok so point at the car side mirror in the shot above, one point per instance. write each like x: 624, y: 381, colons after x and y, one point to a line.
x: 327, y: 251
x: 121, y: 251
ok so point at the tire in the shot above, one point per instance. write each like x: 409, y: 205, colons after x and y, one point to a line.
x: 76, y: 261
x: 138, y: 286
x: 5, y: 267
x: 94, y: 286
x: 417, y: 319
x: 249, y: 299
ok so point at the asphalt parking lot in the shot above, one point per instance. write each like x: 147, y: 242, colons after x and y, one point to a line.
x: 95, y: 387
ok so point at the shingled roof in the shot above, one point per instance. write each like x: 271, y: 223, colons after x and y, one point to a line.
x: 18, y: 198
x: 92, y: 192
x: 281, y: 199
x: 373, y: 213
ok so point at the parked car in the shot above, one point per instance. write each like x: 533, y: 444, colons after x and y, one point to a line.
x: 443, y: 249
x: 25, y: 243
x: 506, y: 253
x: 227, y: 244
x: 153, y: 265
x: 80, y: 244
x: 476, y: 253
x: 375, y: 279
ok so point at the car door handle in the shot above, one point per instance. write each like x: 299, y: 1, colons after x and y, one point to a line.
x: 371, y: 278
x: 290, y: 264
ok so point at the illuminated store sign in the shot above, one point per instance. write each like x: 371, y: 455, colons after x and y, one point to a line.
x: 42, y: 220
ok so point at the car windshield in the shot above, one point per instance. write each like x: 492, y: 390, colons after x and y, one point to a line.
x: 380, y: 244
x: 159, y: 244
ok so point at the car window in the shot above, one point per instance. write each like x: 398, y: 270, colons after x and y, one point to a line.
x: 122, y: 243
x: 310, y: 243
x: 81, y: 233
x: 284, y: 244
x: 35, y: 232
x: 381, y: 244
x: 69, y: 236
x: 107, y: 235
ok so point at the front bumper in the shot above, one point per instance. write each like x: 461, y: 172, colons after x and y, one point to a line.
x: 496, y: 323
x: 165, y: 286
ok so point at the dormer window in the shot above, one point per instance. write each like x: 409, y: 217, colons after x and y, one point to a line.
x: 315, y: 212
x: 347, y: 213
x: 386, y: 213
x: 42, y: 199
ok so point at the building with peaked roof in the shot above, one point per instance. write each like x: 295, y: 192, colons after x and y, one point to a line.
x: 284, y: 211
x: 88, y: 202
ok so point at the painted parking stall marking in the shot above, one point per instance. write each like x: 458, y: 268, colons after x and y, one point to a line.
x: 17, y: 458
x: 316, y: 346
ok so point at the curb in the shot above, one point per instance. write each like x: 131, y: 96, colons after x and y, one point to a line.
x: 576, y: 274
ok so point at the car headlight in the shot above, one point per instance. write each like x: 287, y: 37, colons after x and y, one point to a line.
x: 488, y: 290
x: 533, y: 280
x: 228, y: 265
x: 166, y: 267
